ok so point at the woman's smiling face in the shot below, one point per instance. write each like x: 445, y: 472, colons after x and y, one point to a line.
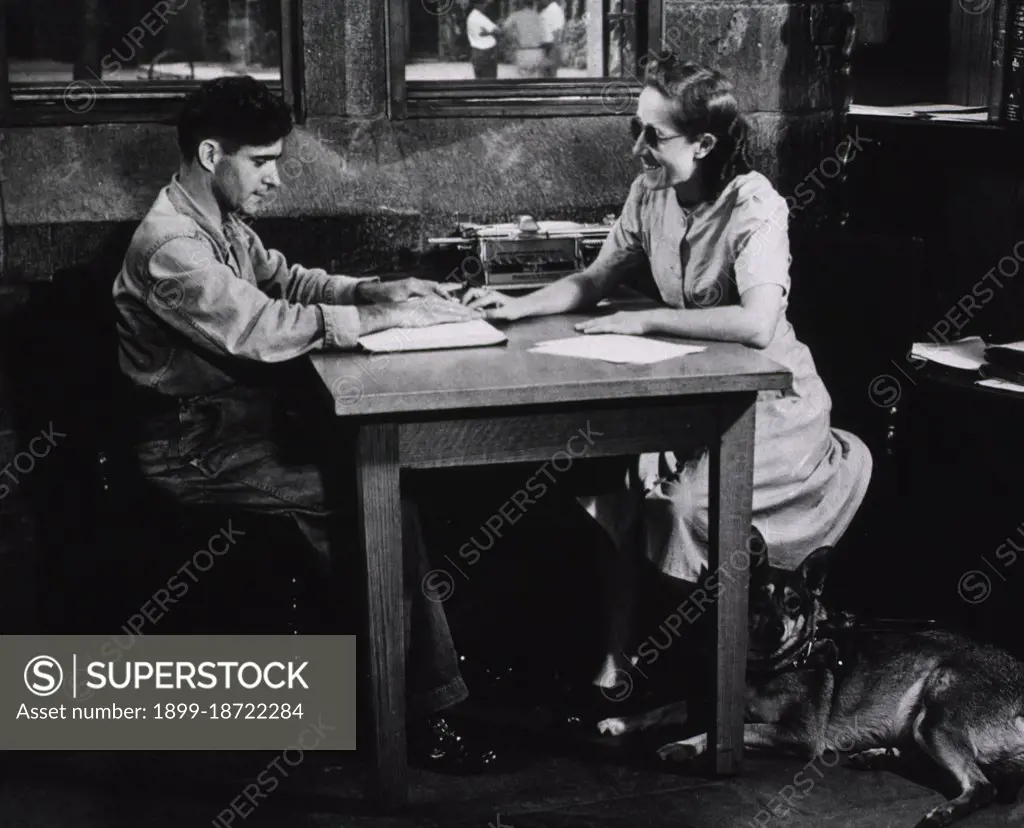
x: 669, y: 158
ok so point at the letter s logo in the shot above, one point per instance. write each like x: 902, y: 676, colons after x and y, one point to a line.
x: 39, y: 677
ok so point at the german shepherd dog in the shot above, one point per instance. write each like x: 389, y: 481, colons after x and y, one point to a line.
x: 818, y: 681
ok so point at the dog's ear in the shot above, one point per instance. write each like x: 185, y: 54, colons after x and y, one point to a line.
x: 814, y: 568
x: 758, y: 551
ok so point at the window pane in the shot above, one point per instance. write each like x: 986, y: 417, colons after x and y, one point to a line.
x: 463, y: 40
x: 53, y: 41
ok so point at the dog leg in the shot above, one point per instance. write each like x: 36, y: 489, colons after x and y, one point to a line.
x: 875, y: 759
x: 1008, y: 782
x: 949, y: 747
x: 776, y: 737
x: 685, y: 749
x: 770, y: 736
x: 675, y: 713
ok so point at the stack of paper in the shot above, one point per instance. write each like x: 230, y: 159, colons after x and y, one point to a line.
x: 620, y: 348
x: 472, y: 334
x: 968, y: 354
x: 932, y: 112
x: 1001, y: 385
x: 1004, y: 368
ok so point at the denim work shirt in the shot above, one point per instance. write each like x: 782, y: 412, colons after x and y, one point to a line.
x: 195, y: 297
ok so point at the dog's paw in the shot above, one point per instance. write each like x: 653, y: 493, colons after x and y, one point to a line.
x: 683, y: 751
x: 874, y: 759
x: 611, y: 727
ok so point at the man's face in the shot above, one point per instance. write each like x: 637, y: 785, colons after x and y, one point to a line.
x: 243, y: 180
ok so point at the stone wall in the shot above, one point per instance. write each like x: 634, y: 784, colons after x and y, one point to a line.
x: 362, y: 191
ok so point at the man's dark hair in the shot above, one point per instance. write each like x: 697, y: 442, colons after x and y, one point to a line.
x: 237, y: 111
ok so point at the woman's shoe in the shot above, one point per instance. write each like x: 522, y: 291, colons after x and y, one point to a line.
x: 590, y: 704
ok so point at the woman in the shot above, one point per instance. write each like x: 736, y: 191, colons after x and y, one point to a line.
x: 715, y: 235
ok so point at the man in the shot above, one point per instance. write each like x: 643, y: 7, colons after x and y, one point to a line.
x: 525, y: 28
x: 204, y: 309
x: 554, y: 28
x: 480, y: 30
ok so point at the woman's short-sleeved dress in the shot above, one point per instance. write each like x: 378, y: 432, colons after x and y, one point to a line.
x: 809, y: 478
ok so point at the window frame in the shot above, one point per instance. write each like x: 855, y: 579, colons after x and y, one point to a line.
x: 121, y: 102
x: 535, y: 98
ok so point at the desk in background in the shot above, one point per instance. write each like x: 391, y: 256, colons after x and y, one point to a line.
x: 952, y: 553
x: 502, y: 404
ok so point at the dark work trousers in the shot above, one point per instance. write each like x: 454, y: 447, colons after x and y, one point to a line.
x: 485, y: 62
x: 228, y: 449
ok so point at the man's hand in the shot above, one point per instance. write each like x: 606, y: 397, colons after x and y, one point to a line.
x: 417, y: 312
x: 624, y: 322
x: 432, y: 310
x: 497, y: 305
x: 400, y: 290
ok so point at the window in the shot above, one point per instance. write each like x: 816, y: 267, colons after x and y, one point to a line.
x: 529, y: 57
x: 73, y: 60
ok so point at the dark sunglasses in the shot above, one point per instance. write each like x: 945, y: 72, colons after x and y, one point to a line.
x: 651, y: 136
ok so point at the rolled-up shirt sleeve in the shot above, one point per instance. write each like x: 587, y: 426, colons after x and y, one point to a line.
x: 306, y: 285
x: 203, y: 299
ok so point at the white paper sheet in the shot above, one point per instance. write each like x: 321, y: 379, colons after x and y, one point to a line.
x: 474, y: 333
x: 933, y: 112
x: 1010, y: 346
x: 967, y: 353
x: 1001, y: 385
x: 620, y: 348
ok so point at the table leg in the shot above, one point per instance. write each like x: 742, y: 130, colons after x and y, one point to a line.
x: 380, y: 528
x: 731, y: 496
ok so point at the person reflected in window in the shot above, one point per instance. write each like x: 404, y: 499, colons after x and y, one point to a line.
x: 483, y: 45
x: 714, y: 235
x: 525, y: 28
x: 553, y: 19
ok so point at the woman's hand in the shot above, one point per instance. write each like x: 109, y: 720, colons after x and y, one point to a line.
x: 623, y: 322
x: 494, y: 304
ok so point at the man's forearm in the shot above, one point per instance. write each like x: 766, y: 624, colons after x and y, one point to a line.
x: 380, y: 317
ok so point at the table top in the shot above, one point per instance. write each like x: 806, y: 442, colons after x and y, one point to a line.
x: 506, y: 375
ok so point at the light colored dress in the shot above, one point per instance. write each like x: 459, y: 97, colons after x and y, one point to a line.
x: 809, y: 478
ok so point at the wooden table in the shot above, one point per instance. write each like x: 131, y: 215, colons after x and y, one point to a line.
x: 504, y: 404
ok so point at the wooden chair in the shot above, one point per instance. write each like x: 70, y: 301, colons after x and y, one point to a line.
x: 853, y: 303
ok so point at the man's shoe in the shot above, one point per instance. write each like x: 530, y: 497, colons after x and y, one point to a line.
x: 491, y: 680
x: 443, y: 744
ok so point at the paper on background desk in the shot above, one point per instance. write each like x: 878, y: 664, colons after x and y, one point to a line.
x: 621, y: 348
x: 1001, y: 385
x: 967, y: 353
x: 1009, y: 346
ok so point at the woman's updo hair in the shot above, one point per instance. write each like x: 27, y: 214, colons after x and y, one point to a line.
x: 701, y: 100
